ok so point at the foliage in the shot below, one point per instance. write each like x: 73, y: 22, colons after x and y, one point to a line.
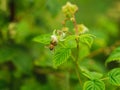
x: 114, y: 76
x: 115, y: 56
x: 94, y: 85
x: 43, y: 45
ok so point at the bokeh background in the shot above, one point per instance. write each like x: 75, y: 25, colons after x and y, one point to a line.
x: 27, y: 65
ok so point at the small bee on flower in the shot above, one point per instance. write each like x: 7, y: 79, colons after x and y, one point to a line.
x: 53, y: 42
x: 58, y: 35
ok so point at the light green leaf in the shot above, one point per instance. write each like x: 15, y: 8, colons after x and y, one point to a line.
x: 61, y: 55
x: 87, y: 39
x: 70, y: 41
x: 114, y: 76
x: 114, y: 56
x: 22, y: 31
x: 94, y: 85
x: 85, y: 49
x: 44, y: 39
x: 91, y: 75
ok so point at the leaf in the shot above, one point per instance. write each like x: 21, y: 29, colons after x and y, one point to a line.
x: 70, y: 41
x: 44, y: 39
x: 114, y: 56
x: 85, y: 49
x: 6, y: 53
x: 114, y: 76
x: 94, y: 85
x: 31, y: 84
x: 91, y: 75
x: 87, y: 39
x: 22, y: 31
x: 61, y: 55
x: 23, y: 61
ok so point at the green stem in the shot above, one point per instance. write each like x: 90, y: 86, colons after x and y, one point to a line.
x: 77, y: 56
x: 77, y: 69
x: 75, y: 25
x: 106, y: 78
x: 78, y: 47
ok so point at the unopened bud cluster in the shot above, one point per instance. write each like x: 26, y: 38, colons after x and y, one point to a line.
x: 69, y: 9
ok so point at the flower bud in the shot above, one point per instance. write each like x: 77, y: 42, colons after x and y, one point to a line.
x: 65, y: 29
x: 69, y: 9
x: 82, y: 28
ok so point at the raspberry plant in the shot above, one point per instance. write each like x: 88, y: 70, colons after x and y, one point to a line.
x: 64, y: 43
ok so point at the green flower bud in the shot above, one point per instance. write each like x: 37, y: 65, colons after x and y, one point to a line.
x: 65, y: 29
x: 82, y: 28
x: 69, y: 9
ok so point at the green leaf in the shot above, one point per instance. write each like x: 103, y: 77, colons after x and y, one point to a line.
x: 23, y: 61
x: 114, y: 56
x: 22, y: 31
x: 94, y: 85
x: 61, y: 55
x: 44, y: 39
x: 70, y: 41
x: 114, y: 76
x: 91, y: 75
x: 6, y: 53
x: 87, y: 39
x: 85, y: 49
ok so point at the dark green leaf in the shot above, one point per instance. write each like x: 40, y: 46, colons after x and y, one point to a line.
x: 94, y: 85
x: 23, y: 61
x: 114, y: 56
x: 114, y: 76
x: 6, y: 53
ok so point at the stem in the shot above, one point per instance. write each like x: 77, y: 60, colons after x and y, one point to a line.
x: 12, y: 10
x: 77, y: 69
x: 64, y: 22
x: 75, y: 60
x: 78, y: 73
x: 106, y: 78
x: 75, y: 25
x: 77, y: 56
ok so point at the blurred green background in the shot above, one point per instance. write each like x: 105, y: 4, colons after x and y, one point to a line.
x: 27, y: 65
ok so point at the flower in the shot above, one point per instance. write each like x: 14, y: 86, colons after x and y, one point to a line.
x: 69, y: 9
x: 82, y: 28
x: 54, y: 38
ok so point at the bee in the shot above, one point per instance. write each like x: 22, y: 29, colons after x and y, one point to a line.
x: 52, y: 45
